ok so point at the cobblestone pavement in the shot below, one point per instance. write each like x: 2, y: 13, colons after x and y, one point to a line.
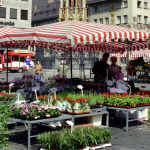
x: 137, y: 138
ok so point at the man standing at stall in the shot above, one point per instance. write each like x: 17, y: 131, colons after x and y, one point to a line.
x: 100, y: 68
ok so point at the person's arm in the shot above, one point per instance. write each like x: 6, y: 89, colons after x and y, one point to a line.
x: 41, y: 68
x: 101, y: 77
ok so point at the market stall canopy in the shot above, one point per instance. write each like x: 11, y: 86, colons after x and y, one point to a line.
x: 140, y: 53
x: 113, y: 47
x: 72, y: 34
x: 6, y: 30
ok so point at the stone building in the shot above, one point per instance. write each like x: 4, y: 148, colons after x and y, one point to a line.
x: 15, y: 13
x: 124, y: 13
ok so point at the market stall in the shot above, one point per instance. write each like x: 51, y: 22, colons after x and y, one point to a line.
x: 1, y: 62
x: 73, y: 35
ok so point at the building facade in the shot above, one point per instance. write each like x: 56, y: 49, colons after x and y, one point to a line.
x: 16, y: 13
x: 124, y: 13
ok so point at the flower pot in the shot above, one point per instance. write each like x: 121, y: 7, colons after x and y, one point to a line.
x: 32, y: 118
x: 48, y: 115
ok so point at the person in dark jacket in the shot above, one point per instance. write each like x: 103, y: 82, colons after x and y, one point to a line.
x: 100, y: 68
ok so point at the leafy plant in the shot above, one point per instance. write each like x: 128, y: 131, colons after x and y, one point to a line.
x: 79, y: 138
x: 5, y: 113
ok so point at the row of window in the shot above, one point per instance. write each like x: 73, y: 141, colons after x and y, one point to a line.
x: 43, y: 22
x: 125, y: 20
x: 13, y: 13
x: 119, y: 5
x: 106, y: 20
x: 46, y: 13
x: 102, y: 21
x: 139, y: 19
x: 139, y: 4
x: 105, y: 7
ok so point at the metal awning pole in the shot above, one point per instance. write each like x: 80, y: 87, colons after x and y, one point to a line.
x: 127, y: 62
x: 128, y: 50
x: 71, y: 64
x: 64, y: 62
x: 7, y: 67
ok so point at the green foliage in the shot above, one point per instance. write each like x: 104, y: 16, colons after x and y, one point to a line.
x: 79, y: 138
x: 5, y: 113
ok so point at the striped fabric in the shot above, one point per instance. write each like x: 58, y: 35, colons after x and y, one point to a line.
x: 72, y: 34
x: 113, y: 47
x: 5, y: 30
x: 141, y: 53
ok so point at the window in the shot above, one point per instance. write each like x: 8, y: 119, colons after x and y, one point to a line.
x: 22, y: 59
x: 100, y: 8
x: 125, y: 19
x: 145, y: 5
x: 101, y: 20
x: 9, y: 58
x: 125, y: 4
x: 119, y: 5
x: 0, y: 60
x: 118, y: 19
x: 95, y: 20
x: 106, y: 7
x: 15, y: 58
x: 33, y: 58
x: 54, y: 11
x: 145, y: 19
x: 24, y: 14
x: 139, y: 4
x: 2, y: 12
x: 139, y: 18
x: 107, y: 20
x: 95, y: 9
x: 41, y: 14
x: 13, y: 13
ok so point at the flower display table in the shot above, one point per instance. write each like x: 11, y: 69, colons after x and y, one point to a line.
x: 30, y: 123
x: 126, y: 112
x: 62, y: 117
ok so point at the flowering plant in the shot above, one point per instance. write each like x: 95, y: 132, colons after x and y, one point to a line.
x: 27, y: 111
x: 114, y: 99
x: 31, y: 111
x: 48, y: 109
x: 7, y: 97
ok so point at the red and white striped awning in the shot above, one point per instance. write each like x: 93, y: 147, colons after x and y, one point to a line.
x: 141, y: 53
x: 114, y: 47
x: 5, y: 30
x: 71, y: 34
